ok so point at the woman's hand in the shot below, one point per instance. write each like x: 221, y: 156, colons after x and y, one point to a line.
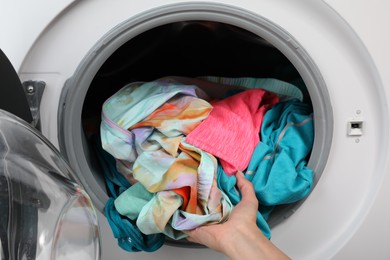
x: 239, y: 237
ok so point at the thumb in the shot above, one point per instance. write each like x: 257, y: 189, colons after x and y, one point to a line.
x: 246, y: 188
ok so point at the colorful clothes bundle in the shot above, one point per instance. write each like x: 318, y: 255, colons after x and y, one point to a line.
x: 144, y: 126
x: 178, y: 149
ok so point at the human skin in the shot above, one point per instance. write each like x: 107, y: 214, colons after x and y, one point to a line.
x: 239, y: 237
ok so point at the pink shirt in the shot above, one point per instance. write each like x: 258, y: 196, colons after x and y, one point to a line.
x: 231, y: 131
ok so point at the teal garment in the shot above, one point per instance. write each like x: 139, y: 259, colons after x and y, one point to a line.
x: 128, y: 235
x: 278, y: 167
x: 115, y: 181
x: 282, y: 89
x: 124, y: 230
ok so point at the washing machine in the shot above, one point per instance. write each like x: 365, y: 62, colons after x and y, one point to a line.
x: 72, y: 55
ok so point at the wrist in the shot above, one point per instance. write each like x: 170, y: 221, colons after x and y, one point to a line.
x: 244, y: 242
x: 252, y: 244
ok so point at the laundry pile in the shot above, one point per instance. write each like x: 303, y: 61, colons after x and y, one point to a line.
x: 170, y: 149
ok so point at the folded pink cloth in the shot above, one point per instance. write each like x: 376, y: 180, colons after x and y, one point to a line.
x: 231, y: 131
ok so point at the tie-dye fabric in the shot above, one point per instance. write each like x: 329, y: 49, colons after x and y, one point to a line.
x: 132, y: 104
x: 144, y: 126
x: 174, y: 198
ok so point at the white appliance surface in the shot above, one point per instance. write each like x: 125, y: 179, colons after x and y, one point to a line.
x: 347, y: 216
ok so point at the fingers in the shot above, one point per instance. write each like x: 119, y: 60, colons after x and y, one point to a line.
x: 204, y: 235
x: 191, y: 235
x: 195, y: 234
x: 245, y: 187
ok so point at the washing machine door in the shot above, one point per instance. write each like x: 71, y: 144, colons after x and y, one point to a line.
x: 44, y: 211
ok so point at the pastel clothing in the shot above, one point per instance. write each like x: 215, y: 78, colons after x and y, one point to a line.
x: 144, y: 127
x: 194, y: 169
x: 132, y: 104
x: 231, y: 131
x: 278, y: 167
x: 150, y: 210
x: 125, y: 230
